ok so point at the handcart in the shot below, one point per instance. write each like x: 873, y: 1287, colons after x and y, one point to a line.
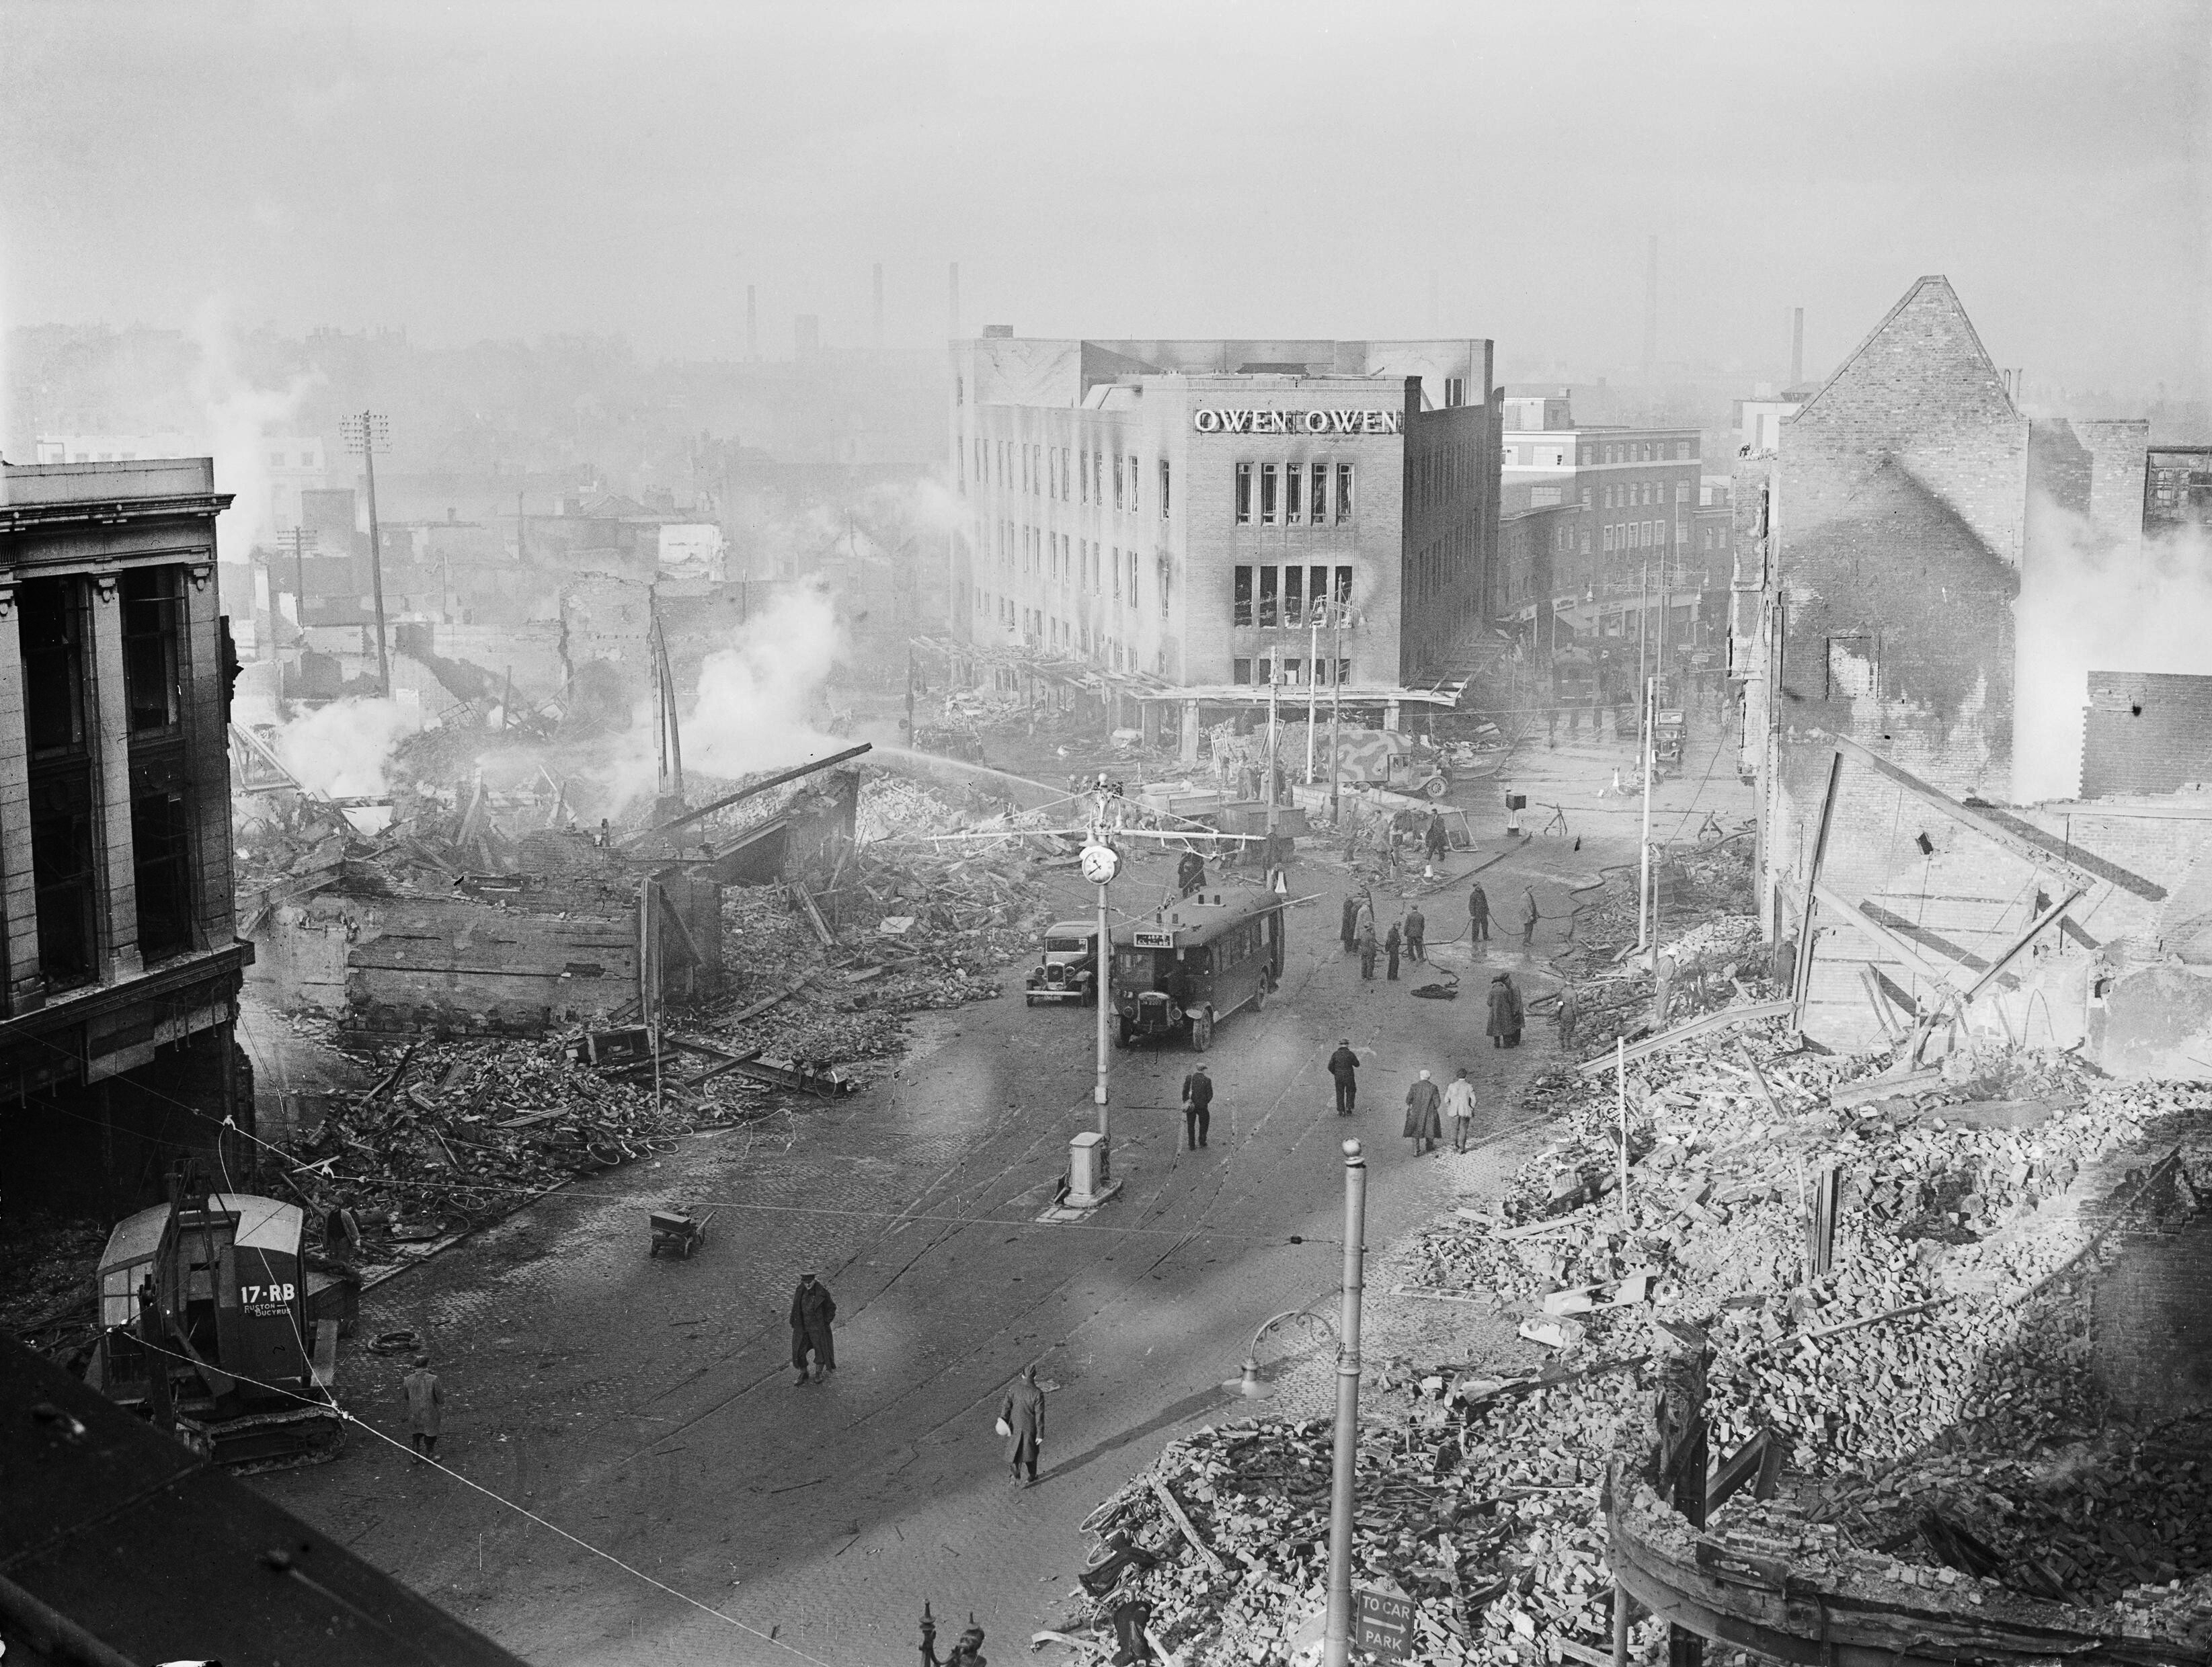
x: 677, y: 1231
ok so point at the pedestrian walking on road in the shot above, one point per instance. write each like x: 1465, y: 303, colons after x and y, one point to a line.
x: 1392, y: 942
x: 1423, y: 1127
x: 1569, y: 1015
x: 1351, y: 921
x: 812, y: 1308
x: 1197, y: 1108
x: 1343, y: 1066
x: 1021, y: 1420
x: 426, y: 1408
x: 1504, y: 1012
x: 1433, y: 837
x: 1417, y: 928
x: 1529, y: 916
x: 1363, y: 920
x: 1459, y: 1106
x: 1478, y: 914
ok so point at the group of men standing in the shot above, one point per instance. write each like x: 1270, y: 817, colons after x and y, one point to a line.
x: 1408, y: 937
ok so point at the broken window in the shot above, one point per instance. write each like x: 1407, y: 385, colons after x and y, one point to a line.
x: 1267, y: 616
x: 1294, y: 592
x: 1242, y: 601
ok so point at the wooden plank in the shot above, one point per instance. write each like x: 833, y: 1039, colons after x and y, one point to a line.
x: 1995, y: 832
x: 1801, y: 980
x: 1759, y: 1081
x: 1881, y: 1088
x: 1746, y: 1013
x: 1190, y: 1533
x: 1903, y: 949
x: 2018, y: 945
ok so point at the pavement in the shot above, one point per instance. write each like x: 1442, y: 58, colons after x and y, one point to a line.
x: 636, y: 1479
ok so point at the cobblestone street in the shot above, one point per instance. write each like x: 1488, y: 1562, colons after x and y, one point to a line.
x: 646, y: 1406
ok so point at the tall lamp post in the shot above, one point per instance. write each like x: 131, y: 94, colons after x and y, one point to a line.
x: 1336, y: 1638
x: 1100, y: 862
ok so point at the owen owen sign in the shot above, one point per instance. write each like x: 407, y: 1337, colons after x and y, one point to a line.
x: 1208, y: 421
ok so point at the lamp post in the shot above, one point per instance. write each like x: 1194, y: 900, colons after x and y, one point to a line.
x: 1316, y: 613
x: 1100, y: 862
x: 1336, y: 1638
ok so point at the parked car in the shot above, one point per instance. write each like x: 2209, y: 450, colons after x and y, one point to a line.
x: 1068, y: 968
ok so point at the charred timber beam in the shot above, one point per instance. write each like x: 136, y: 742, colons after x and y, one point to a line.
x: 728, y: 799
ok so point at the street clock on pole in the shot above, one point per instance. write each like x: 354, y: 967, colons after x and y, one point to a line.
x: 1100, y: 865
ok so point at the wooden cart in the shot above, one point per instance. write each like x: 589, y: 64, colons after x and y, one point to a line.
x: 677, y: 1231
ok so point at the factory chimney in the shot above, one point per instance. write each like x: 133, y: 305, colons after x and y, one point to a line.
x: 952, y: 305
x: 1651, y: 309
x: 752, y: 324
x: 1797, y: 347
x: 879, y: 306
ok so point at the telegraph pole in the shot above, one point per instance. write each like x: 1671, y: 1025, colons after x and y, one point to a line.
x: 1336, y: 1636
x: 1643, y: 872
x: 367, y: 434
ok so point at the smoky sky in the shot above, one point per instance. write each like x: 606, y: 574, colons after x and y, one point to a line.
x: 502, y: 170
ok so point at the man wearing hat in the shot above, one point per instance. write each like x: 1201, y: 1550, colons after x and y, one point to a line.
x: 1423, y: 1127
x: 1197, y: 1106
x: 812, y: 1308
x: 1343, y: 1066
x: 426, y: 1402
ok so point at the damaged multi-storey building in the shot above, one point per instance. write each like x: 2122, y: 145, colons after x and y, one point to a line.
x: 454, y: 926
x: 121, y: 967
x: 1973, y: 711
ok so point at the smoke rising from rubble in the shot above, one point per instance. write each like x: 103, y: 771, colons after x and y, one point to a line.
x: 343, y: 749
x: 753, y: 707
x: 2087, y: 604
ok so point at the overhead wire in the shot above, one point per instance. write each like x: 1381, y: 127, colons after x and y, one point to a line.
x: 348, y: 1416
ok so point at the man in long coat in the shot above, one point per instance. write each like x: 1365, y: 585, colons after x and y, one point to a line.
x: 812, y: 1308
x: 1478, y: 914
x: 426, y: 1408
x: 1344, y: 1067
x: 1424, y: 1126
x: 1023, y: 1413
x: 1351, y: 920
x: 1504, y: 1012
x: 1391, y: 941
x: 1417, y: 930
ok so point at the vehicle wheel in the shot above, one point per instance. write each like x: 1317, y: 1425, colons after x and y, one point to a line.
x: 1260, y: 994
x: 1028, y: 1001
x: 1201, y: 1031
x: 1437, y: 787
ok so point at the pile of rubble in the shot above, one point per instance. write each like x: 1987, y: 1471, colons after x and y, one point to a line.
x: 1952, y: 1320
x: 457, y: 1133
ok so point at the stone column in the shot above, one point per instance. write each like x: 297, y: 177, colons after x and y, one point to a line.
x: 207, y: 755
x: 19, y: 902
x: 109, y: 721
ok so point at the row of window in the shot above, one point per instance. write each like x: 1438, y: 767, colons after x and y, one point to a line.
x: 1543, y: 452
x: 1293, y: 493
x: 55, y: 626
x: 1270, y: 596
x: 1262, y: 671
x: 1072, y: 636
x: 1644, y: 534
x: 1061, y: 472
x: 1079, y: 564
